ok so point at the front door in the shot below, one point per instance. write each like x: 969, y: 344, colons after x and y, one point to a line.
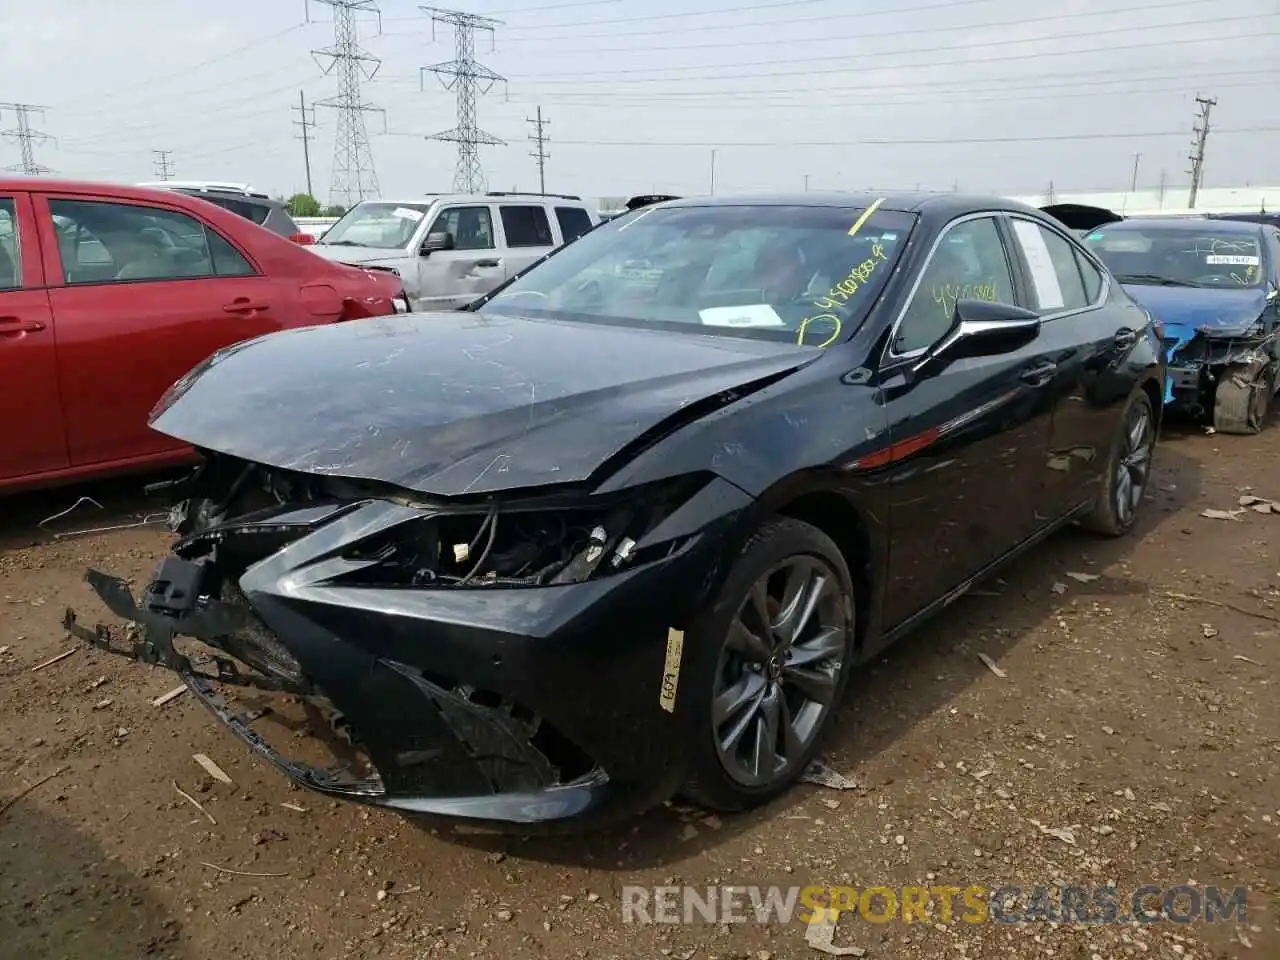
x: 449, y: 279
x: 971, y: 439
x: 33, y: 439
x: 146, y: 294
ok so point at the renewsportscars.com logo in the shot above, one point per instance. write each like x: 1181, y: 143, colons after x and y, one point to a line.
x: 1182, y: 904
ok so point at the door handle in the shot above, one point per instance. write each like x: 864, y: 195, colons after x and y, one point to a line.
x: 16, y: 326
x: 1039, y: 375
x: 488, y: 263
x: 243, y: 305
x: 1126, y: 338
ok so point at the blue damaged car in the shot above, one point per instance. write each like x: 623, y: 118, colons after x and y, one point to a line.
x: 1212, y: 285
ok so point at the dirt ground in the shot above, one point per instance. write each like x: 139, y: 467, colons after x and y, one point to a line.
x: 1145, y: 725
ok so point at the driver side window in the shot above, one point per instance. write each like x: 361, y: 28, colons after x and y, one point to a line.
x: 471, y: 227
x: 969, y: 263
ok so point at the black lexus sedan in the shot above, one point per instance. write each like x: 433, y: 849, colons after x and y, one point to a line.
x: 612, y: 534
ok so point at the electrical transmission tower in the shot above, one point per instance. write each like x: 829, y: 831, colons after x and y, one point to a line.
x: 27, y: 137
x: 163, y: 164
x: 353, y: 176
x: 1198, y: 144
x: 540, y: 138
x: 307, y: 123
x: 466, y: 78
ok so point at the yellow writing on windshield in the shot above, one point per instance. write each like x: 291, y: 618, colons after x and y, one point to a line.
x: 946, y: 295
x: 845, y: 288
x: 1250, y: 276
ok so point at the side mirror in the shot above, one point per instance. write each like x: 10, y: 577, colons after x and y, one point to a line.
x: 981, y: 329
x: 437, y: 241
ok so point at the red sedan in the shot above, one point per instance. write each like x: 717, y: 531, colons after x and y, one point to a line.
x: 109, y: 294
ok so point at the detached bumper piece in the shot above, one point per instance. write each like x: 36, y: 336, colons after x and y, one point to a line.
x: 397, y: 739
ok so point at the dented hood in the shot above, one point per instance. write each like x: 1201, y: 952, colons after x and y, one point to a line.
x: 1185, y: 310
x: 452, y: 403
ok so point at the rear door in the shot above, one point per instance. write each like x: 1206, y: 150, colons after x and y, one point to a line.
x: 971, y: 439
x: 449, y: 279
x: 141, y: 293
x: 33, y: 438
x: 527, y: 235
x: 1087, y: 337
x: 573, y: 223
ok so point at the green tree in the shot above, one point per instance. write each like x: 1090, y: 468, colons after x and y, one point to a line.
x: 334, y: 211
x: 304, y: 205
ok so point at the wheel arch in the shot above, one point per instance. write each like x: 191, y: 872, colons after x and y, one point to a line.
x: 839, y: 519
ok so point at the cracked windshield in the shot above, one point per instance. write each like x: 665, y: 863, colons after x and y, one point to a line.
x: 806, y: 274
x: 1176, y: 256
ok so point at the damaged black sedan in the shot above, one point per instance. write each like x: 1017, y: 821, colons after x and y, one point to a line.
x: 612, y: 534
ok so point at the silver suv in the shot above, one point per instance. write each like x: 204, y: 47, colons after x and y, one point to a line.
x: 452, y: 249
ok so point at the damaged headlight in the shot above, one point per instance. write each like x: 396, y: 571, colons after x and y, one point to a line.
x: 522, y: 542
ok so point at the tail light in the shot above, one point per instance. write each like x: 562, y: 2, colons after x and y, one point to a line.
x: 303, y: 238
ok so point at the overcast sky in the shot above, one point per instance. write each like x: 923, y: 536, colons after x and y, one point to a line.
x: 847, y: 93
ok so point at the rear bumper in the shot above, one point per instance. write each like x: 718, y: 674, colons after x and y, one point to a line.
x: 519, y: 705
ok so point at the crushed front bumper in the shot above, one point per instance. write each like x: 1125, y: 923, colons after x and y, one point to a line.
x: 521, y: 705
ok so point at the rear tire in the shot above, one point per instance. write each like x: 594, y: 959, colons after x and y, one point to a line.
x: 1242, y: 400
x: 1128, y: 470
x: 757, y: 675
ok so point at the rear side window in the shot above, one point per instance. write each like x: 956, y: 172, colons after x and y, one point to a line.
x: 115, y: 242
x: 526, y: 226
x: 10, y: 256
x: 574, y: 222
x: 1055, y: 274
x: 1092, y: 277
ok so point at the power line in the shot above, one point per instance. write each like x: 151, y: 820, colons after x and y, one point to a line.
x: 576, y: 76
x: 588, y: 78
x: 1197, y: 154
x: 353, y: 176
x: 893, y: 141
x: 307, y: 123
x: 162, y: 164
x: 792, y: 20
x: 836, y: 38
x: 26, y: 136
x: 466, y: 77
x: 756, y: 104
x: 540, y: 138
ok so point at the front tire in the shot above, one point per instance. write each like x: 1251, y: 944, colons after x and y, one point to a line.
x: 771, y: 660
x: 1128, y: 470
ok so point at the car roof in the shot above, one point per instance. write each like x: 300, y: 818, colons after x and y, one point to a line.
x: 942, y: 204
x: 1201, y: 225
x: 97, y: 187
x: 477, y: 198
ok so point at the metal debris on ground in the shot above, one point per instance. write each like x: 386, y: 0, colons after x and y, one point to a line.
x: 1244, y: 659
x: 52, y: 660
x: 1084, y: 577
x: 991, y: 665
x: 27, y: 789
x: 294, y: 807
x: 239, y: 873
x: 1208, y: 630
x: 1224, y: 604
x: 1065, y: 834
x: 44, y: 524
x: 822, y: 775
x: 820, y: 934
x: 211, y: 768
x: 1212, y: 514
x: 149, y: 520
x: 194, y: 802
x: 1059, y: 588
x: 1260, y: 504
x: 173, y: 694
